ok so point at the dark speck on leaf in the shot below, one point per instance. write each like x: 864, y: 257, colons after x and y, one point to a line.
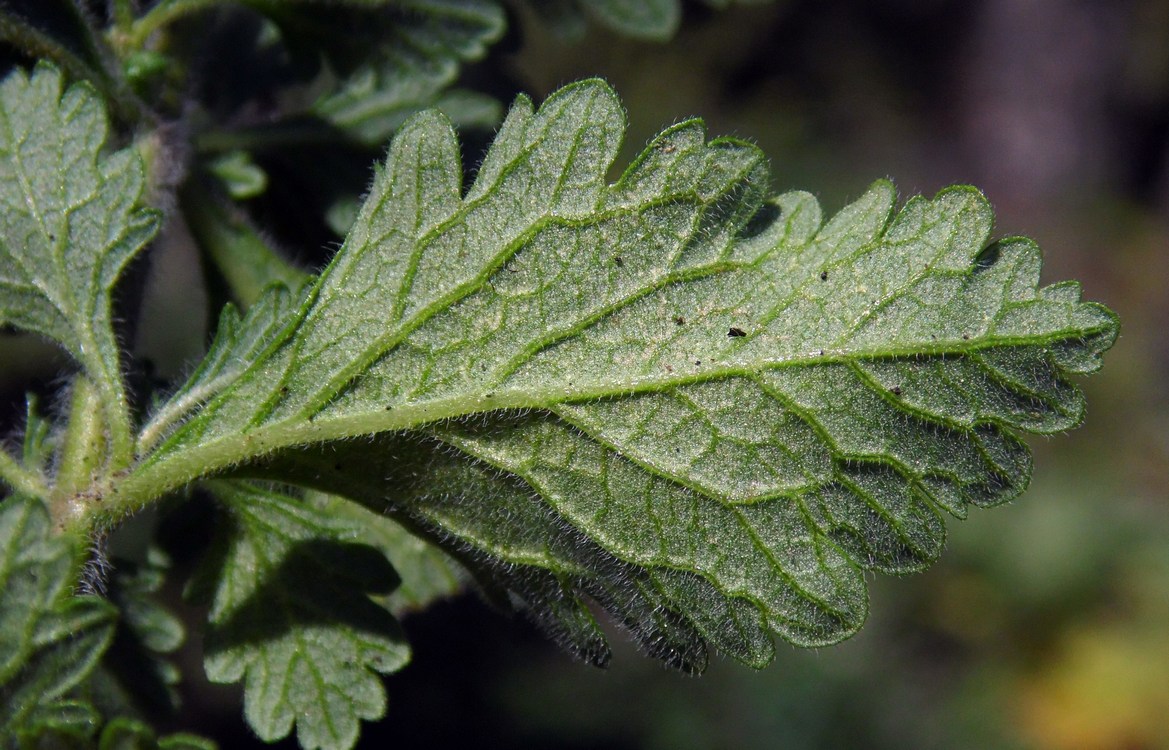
x: 736, y: 332
x: 679, y: 320
x: 698, y: 362
x: 965, y: 337
x: 895, y: 390
x: 823, y: 276
x: 618, y: 260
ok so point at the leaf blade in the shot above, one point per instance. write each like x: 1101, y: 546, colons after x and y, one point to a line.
x: 290, y: 619
x: 65, y: 242
x: 721, y: 407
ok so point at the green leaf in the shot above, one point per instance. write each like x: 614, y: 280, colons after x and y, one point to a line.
x: 131, y: 734
x: 291, y: 618
x: 147, y: 632
x: 64, y: 242
x: 709, y: 412
x: 49, y: 640
x: 238, y: 342
x: 59, y: 725
x: 240, y: 175
x: 427, y: 573
x: 417, y: 61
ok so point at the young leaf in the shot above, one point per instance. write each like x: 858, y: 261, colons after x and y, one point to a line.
x: 147, y: 632
x: 427, y: 573
x: 70, y: 223
x: 707, y: 412
x: 418, y: 60
x: 130, y: 734
x: 49, y: 640
x: 290, y: 616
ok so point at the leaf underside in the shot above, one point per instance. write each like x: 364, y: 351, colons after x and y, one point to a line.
x: 49, y: 640
x: 290, y: 616
x: 69, y: 220
x: 705, y: 411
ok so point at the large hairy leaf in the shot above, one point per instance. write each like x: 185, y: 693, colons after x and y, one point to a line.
x: 707, y: 411
x: 69, y: 222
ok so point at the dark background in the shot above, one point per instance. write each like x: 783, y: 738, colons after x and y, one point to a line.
x: 1045, y: 623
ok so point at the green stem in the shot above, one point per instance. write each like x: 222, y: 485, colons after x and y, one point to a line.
x: 21, y: 479
x: 82, y: 459
x: 247, y: 263
x: 163, y: 14
x: 39, y: 45
x: 123, y: 15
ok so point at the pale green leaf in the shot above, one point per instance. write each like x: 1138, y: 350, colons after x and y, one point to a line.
x: 70, y: 221
x: 59, y: 725
x: 427, y: 573
x: 708, y: 412
x: 130, y: 734
x: 291, y: 618
x: 49, y: 639
x: 418, y: 47
x: 140, y: 674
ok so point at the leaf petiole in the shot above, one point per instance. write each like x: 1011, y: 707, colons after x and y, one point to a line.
x: 21, y: 479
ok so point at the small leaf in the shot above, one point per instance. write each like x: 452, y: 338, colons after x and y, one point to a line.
x: 49, y: 640
x: 64, y: 242
x: 413, y: 56
x: 708, y: 412
x: 240, y: 175
x: 427, y: 573
x: 130, y: 734
x: 146, y: 633
x: 62, y: 724
x: 291, y: 618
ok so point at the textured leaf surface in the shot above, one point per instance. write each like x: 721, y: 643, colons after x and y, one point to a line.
x: 49, y: 640
x: 147, y: 632
x: 69, y: 221
x: 418, y: 61
x: 291, y: 618
x: 707, y: 411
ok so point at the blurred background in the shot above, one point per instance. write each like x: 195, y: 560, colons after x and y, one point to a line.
x: 1045, y: 624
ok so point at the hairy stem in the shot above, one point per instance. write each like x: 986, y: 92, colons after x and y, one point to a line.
x: 20, y: 479
x: 241, y: 256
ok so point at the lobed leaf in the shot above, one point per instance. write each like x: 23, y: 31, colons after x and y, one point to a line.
x: 291, y: 618
x: 70, y: 221
x: 706, y: 411
x: 417, y: 61
x: 49, y: 640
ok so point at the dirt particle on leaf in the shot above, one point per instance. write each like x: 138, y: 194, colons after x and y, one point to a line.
x: 736, y: 333
x: 619, y: 261
x: 823, y: 276
x: 895, y: 390
x: 679, y: 320
x: 965, y: 337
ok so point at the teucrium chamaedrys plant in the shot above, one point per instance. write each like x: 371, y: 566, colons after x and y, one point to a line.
x: 676, y: 398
